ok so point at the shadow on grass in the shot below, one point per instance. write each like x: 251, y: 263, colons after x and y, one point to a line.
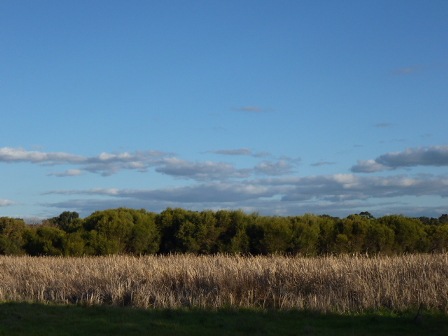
x: 48, y: 320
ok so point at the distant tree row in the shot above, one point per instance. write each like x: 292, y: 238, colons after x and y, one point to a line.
x: 137, y: 232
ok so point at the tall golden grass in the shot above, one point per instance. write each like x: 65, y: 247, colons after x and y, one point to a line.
x: 326, y: 284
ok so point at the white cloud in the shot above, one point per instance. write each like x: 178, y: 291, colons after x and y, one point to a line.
x: 242, y: 151
x: 200, y: 171
x: 419, y: 156
x: 274, y: 194
x: 104, y: 163
x: 203, y: 192
x: 289, y: 159
x: 280, y: 167
x: 107, y: 164
x: 368, y: 166
x: 5, y: 202
x: 68, y: 172
x: 322, y: 163
x: 261, y: 154
x: 10, y: 155
x: 350, y: 186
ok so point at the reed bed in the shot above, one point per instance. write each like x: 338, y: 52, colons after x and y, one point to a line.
x: 325, y: 284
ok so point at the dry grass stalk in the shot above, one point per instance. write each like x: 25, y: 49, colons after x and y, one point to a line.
x: 343, y: 284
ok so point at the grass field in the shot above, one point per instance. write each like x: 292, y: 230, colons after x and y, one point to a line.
x: 345, y: 284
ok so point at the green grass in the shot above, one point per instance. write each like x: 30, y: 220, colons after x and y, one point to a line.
x: 70, y: 320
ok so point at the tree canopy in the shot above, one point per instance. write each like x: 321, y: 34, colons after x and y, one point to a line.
x: 137, y: 232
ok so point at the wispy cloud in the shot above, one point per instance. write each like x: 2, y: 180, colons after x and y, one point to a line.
x: 104, y: 163
x: 261, y: 154
x: 278, y: 194
x: 419, y: 156
x: 252, y: 109
x: 408, y: 70
x: 200, y: 171
x: 5, y: 202
x: 107, y: 164
x: 280, y: 167
x: 68, y: 172
x: 11, y: 155
x: 368, y: 166
x: 322, y: 163
x: 241, y: 151
x: 203, y: 192
x: 290, y: 159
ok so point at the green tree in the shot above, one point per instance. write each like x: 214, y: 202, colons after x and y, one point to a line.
x: 439, y: 239
x: 67, y: 221
x: 11, y: 232
x: 305, y: 234
x: 327, y: 236
x: 276, y: 234
x: 168, y: 223
x: 410, y: 235
x: 354, y: 228
x: 122, y: 230
x: 74, y: 244
x: 379, y: 239
x: 232, y: 227
x: 44, y: 240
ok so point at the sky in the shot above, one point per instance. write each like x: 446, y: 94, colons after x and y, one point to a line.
x: 276, y: 107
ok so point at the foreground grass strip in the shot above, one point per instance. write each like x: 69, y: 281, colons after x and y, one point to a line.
x: 70, y: 320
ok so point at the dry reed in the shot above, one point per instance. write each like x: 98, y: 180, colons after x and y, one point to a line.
x: 338, y: 284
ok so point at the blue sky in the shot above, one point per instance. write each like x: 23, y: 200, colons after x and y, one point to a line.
x: 279, y: 107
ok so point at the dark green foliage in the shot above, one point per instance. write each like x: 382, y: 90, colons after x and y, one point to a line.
x: 67, y: 221
x: 11, y: 236
x: 232, y: 227
x: 74, y: 244
x: 169, y: 223
x: 410, y: 235
x: 44, y: 241
x: 122, y: 230
x: 439, y: 241
x: 379, y: 239
x: 275, y: 234
x: 305, y: 234
x: 137, y: 232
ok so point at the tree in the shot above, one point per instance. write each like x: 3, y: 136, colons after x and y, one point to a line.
x: 11, y: 231
x: 232, y: 227
x: 168, y: 223
x: 122, y: 230
x: 145, y: 238
x: 305, y: 234
x: 410, y: 235
x: 366, y: 214
x: 67, y: 221
x: 44, y: 241
x: 276, y: 234
x: 74, y: 244
x: 354, y: 228
x: 379, y: 238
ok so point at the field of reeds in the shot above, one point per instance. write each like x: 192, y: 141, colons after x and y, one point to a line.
x: 345, y: 284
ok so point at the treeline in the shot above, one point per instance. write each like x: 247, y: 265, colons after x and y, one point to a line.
x: 136, y: 232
